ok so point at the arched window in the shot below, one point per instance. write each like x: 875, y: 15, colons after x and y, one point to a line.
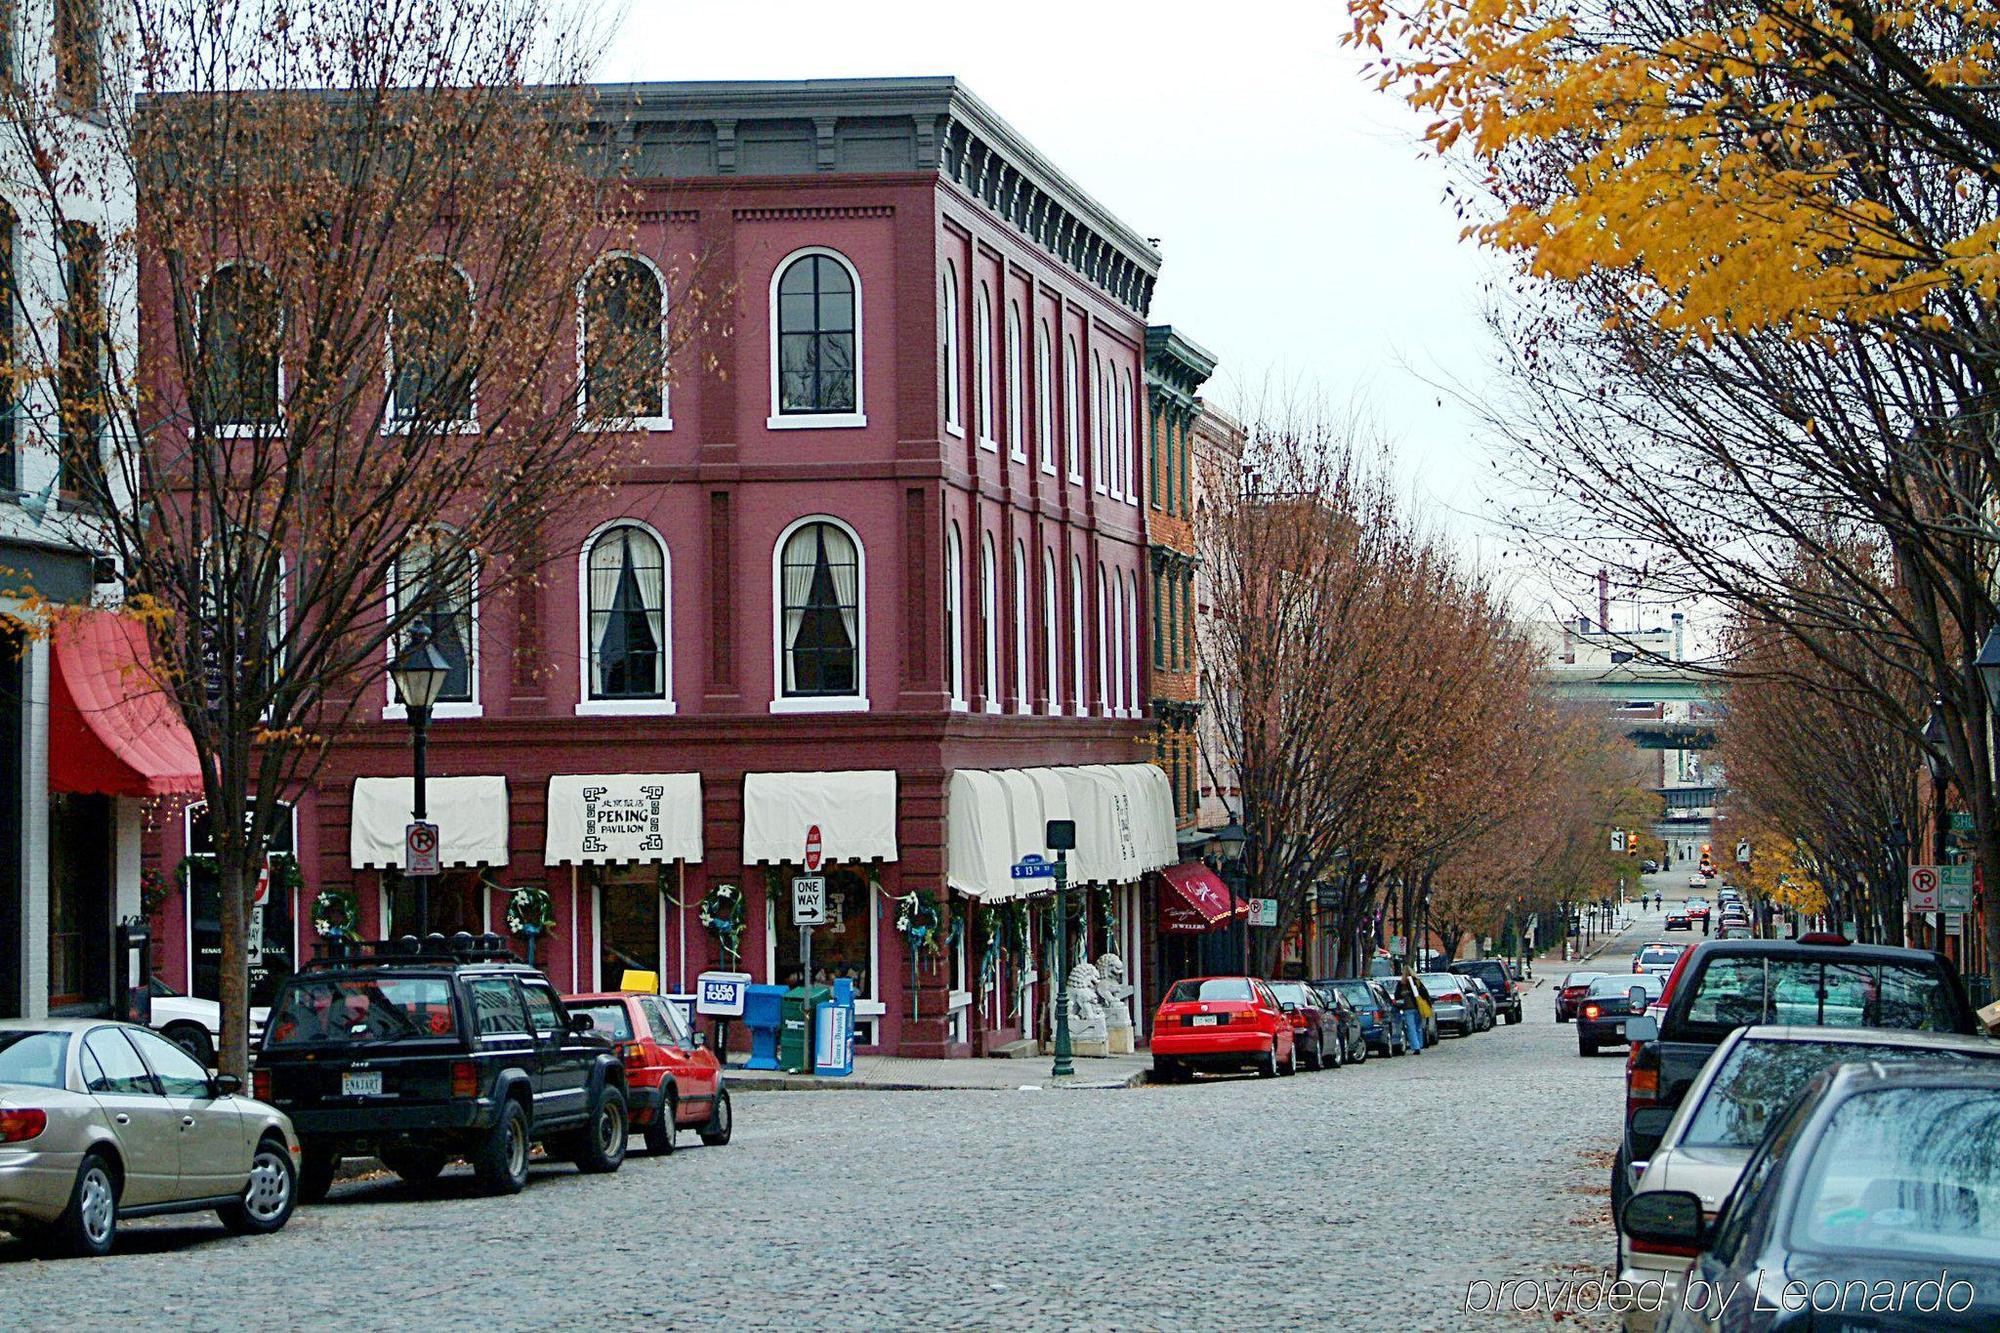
x: 1118, y: 643
x: 820, y: 626
x: 1079, y: 696
x: 989, y: 623
x: 954, y: 406
x: 1045, y: 434
x: 1130, y: 453
x: 624, y: 332
x: 982, y: 365
x: 1021, y: 687
x: 1103, y: 641
x: 242, y: 622
x: 816, y: 341
x: 1134, y: 705
x: 1097, y: 416
x: 1073, y: 409
x: 437, y: 584
x: 954, y: 614
x: 241, y: 329
x: 626, y: 628
x: 433, y: 370
x: 1052, y: 633
x: 1017, y: 388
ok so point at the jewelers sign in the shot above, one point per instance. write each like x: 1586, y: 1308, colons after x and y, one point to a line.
x: 627, y: 817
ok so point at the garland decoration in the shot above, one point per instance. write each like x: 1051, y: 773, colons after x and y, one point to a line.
x: 335, y: 914
x: 530, y: 912
x: 917, y: 923
x: 723, y: 912
x: 154, y: 890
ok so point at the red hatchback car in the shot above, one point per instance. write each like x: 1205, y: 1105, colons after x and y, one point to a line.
x: 1221, y: 1023
x: 674, y: 1080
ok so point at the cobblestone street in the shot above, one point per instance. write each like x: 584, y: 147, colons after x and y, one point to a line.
x: 1368, y: 1197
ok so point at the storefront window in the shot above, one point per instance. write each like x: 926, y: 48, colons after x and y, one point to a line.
x: 628, y: 922
x: 270, y: 964
x: 454, y: 902
x: 840, y: 948
x: 80, y: 840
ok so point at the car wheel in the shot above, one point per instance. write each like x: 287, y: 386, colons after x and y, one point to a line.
x: 271, y: 1195
x: 1360, y: 1056
x: 1292, y: 1062
x: 662, y: 1134
x: 192, y: 1038
x: 316, y: 1171
x: 1315, y: 1054
x: 1267, y: 1066
x: 721, y: 1121
x: 1561, y: 1017
x: 501, y: 1164
x: 415, y: 1166
x: 1513, y: 1017
x: 89, y: 1226
x: 601, y: 1148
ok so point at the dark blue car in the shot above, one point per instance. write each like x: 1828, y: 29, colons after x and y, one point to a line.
x: 1380, y: 1027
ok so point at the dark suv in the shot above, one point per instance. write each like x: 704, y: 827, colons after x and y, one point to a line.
x: 419, y: 1053
x: 1499, y: 981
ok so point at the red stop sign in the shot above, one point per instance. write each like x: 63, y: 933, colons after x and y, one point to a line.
x: 812, y: 850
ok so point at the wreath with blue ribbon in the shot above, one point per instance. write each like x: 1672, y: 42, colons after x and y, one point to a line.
x: 530, y: 912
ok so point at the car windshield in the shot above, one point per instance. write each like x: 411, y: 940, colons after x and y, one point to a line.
x: 1293, y: 992
x: 320, y: 1008
x: 1659, y: 953
x: 1737, y: 990
x: 608, y: 1019
x: 1760, y: 1078
x: 33, y: 1059
x: 1443, y: 986
x: 1359, y: 994
x: 1213, y: 988
x: 1911, y: 1171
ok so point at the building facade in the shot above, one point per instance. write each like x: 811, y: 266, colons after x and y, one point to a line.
x: 876, y: 573
x: 1176, y: 368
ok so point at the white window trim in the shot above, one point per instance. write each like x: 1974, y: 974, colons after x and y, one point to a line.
x: 1135, y: 705
x: 587, y: 706
x: 1023, y: 703
x: 982, y: 368
x: 1079, y: 664
x: 989, y: 616
x: 954, y: 372
x: 393, y: 710
x: 1073, y: 408
x: 393, y: 423
x: 1130, y: 422
x: 1052, y: 630
x: 1017, y: 401
x: 1044, y: 401
x: 818, y: 420
x: 239, y: 430
x: 866, y: 1007
x: 1118, y: 644
x: 954, y: 615
x: 819, y: 703
x: 1104, y: 706
x: 627, y: 424
x: 1099, y: 449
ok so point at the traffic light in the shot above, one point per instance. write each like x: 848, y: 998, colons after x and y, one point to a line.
x: 1632, y: 843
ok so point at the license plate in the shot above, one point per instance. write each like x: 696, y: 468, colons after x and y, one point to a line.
x: 1202, y: 1021
x: 361, y: 1083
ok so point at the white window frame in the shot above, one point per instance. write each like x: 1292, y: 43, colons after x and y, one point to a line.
x: 819, y: 420
x: 869, y: 1008
x: 989, y: 616
x: 1073, y: 408
x: 664, y: 422
x: 1135, y: 706
x: 1098, y: 449
x: 1080, y: 677
x: 393, y: 709
x: 393, y: 422
x: 1129, y: 424
x: 1117, y: 643
x: 954, y: 615
x: 1023, y: 691
x: 587, y: 706
x: 235, y: 430
x: 982, y: 367
x: 1052, y: 631
x: 1103, y: 643
x: 954, y: 372
x: 819, y: 703
x: 1017, y: 406
x: 1045, y: 435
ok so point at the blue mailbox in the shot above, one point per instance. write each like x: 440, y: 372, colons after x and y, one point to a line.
x: 833, y: 1035
x: 763, y: 1014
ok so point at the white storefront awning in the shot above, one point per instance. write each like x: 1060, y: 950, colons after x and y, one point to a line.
x: 854, y: 811
x: 614, y: 818
x: 1124, y: 817
x: 470, y: 813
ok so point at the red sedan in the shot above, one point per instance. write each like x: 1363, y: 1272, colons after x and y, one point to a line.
x: 1222, y: 1023
x: 675, y: 1081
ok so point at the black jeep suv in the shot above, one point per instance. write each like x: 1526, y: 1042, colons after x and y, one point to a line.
x: 421, y: 1052
x: 1499, y: 980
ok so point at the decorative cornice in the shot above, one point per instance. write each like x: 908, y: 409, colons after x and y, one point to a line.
x: 811, y: 214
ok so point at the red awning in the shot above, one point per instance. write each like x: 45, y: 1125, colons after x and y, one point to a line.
x: 1194, y: 900
x: 112, y: 732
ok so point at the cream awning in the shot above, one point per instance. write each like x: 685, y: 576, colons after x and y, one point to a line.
x: 855, y: 812
x: 1124, y: 817
x: 613, y: 818
x: 470, y: 813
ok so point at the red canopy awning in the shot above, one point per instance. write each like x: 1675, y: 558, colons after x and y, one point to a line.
x: 112, y: 732
x: 1194, y: 901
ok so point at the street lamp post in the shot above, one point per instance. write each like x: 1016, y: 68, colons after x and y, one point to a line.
x: 419, y: 675
x: 1229, y: 844
x: 1060, y: 838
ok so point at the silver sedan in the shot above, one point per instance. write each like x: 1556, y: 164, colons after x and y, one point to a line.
x: 102, y: 1120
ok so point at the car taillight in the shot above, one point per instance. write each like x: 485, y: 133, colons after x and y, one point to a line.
x: 464, y: 1078
x: 260, y: 1084
x: 632, y: 1052
x: 20, y: 1126
x: 1590, y: 1011
x: 1381, y: 1015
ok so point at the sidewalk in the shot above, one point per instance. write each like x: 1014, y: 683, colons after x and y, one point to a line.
x: 1554, y: 964
x: 890, y: 1073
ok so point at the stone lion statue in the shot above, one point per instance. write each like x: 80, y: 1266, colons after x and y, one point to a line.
x: 1112, y: 993
x: 1088, y: 1034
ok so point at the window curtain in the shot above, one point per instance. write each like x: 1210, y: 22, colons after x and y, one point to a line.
x: 844, y: 562
x: 1020, y: 627
x: 802, y: 554
x: 1052, y: 629
x: 607, y: 558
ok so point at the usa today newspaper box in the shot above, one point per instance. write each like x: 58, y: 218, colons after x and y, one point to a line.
x: 833, y: 1032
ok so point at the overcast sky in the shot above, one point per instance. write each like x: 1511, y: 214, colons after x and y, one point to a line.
x: 1307, y: 240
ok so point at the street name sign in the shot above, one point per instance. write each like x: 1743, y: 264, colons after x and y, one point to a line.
x: 1032, y: 866
x: 808, y: 900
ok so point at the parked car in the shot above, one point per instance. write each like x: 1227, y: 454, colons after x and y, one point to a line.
x: 1658, y: 958
x: 1570, y: 992
x: 1649, y: 867
x: 418, y: 1054
x: 101, y: 1121
x: 1750, y: 1081
x: 195, y: 1025
x: 1316, y: 1024
x: 1222, y: 1023
x: 1728, y: 931
x: 1454, y: 1013
x: 1485, y: 1009
x: 1815, y: 981
x: 1679, y: 920
x: 672, y: 1080
x: 1375, y: 1007
x: 1499, y: 979
x: 1612, y: 998
x: 1873, y: 1181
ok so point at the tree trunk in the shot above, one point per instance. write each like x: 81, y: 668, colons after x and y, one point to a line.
x: 232, y: 1053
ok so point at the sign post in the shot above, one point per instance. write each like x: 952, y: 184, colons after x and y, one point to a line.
x: 808, y: 910
x: 1060, y: 838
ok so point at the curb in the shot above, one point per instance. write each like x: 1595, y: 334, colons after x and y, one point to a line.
x: 764, y: 1082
